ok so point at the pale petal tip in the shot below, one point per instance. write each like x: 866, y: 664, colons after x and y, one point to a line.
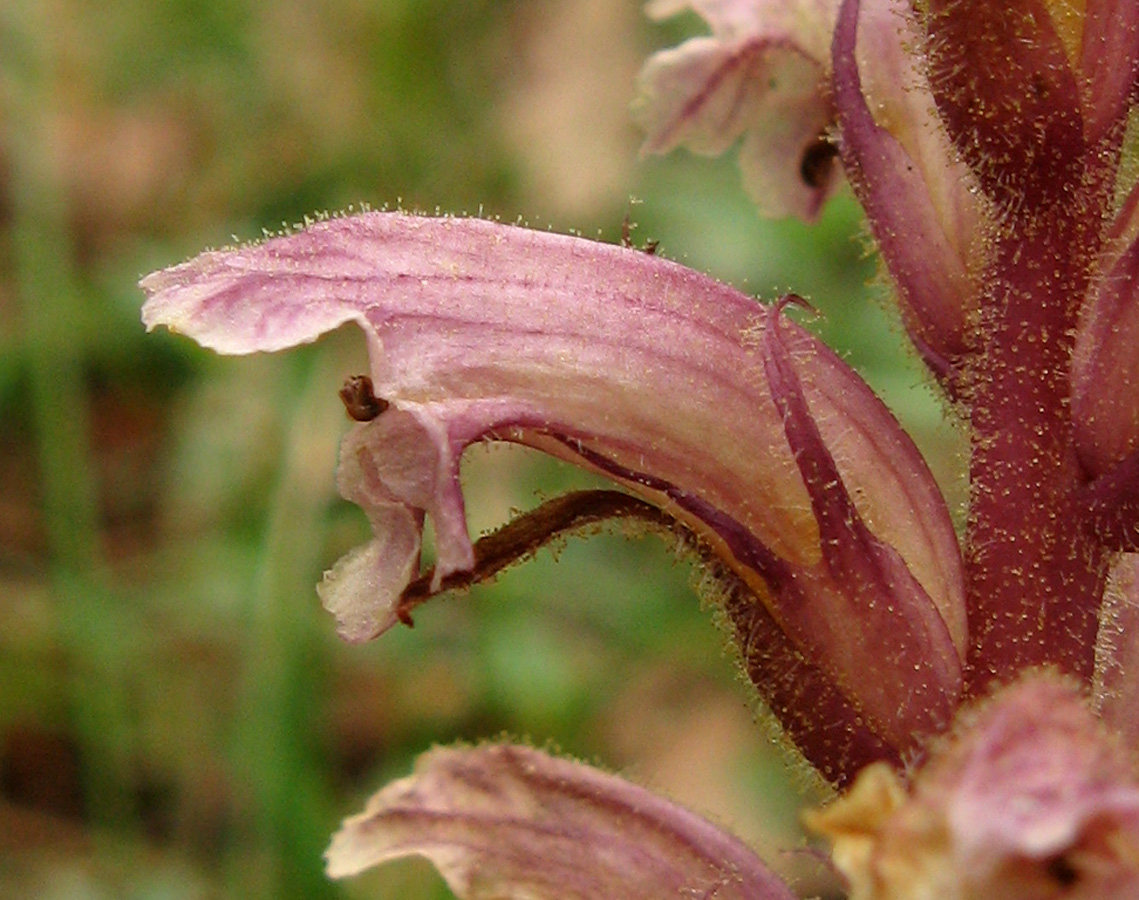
x: 362, y: 590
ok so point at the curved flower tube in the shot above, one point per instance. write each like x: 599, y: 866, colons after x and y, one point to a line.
x: 732, y: 420
x: 503, y: 820
x: 920, y: 202
x: 983, y: 140
x: 1031, y: 799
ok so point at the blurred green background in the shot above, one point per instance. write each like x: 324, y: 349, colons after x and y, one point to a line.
x: 177, y: 718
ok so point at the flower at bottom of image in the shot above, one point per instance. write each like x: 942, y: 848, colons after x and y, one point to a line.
x: 1029, y: 799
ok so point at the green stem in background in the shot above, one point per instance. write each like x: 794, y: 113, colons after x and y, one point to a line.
x: 276, y: 759
x: 90, y: 626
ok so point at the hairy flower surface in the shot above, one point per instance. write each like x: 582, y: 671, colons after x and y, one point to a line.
x: 1032, y: 800
x: 729, y: 418
x: 985, y: 142
x: 508, y: 821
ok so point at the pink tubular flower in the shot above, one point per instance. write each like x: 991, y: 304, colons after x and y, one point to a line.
x: 729, y: 420
x: 509, y: 821
x: 984, y: 141
x: 760, y: 75
x: 1031, y: 800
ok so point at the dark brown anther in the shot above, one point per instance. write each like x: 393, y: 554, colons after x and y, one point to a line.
x: 361, y: 404
x: 816, y: 163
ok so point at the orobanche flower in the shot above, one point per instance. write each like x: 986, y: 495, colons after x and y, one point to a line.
x: 1031, y: 800
x: 509, y: 821
x: 986, y: 144
x: 727, y: 418
x: 761, y: 74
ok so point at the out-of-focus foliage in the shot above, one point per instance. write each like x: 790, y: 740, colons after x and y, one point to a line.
x: 177, y: 718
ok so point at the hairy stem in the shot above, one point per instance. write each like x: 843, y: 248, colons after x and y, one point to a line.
x: 1035, y: 568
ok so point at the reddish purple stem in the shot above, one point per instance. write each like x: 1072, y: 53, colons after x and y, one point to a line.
x: 1035, y: 568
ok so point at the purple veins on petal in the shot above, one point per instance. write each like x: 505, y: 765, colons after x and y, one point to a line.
x: 507, y: 821
x: 627, y: 364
